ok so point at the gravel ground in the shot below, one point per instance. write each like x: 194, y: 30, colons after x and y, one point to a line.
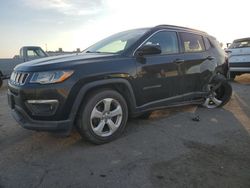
x: 167, y: 150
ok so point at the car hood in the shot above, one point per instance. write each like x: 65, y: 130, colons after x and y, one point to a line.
x: 62, y: 61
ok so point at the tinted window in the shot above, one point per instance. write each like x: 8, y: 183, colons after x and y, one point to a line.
x: 192, y: 42
x: 166, y: 40
x: 207, y: 43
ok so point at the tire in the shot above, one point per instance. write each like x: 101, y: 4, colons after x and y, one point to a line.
x: 220, y: 92
x: 99, y: 125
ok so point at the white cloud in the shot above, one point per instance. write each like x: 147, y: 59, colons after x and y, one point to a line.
x: 67, y: 7
x: 96, y: 19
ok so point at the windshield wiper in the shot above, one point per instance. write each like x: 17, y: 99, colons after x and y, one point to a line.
x: 98, y: 52
x: 92, y: 52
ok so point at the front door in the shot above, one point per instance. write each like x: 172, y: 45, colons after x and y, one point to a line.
x: 158, y: 76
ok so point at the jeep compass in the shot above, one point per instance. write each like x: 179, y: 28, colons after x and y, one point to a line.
x: 127, y: 74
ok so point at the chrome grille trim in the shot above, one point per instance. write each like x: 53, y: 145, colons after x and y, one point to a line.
x: 18, y: 78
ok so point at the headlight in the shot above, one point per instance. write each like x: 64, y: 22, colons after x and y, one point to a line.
x: 50, y: 77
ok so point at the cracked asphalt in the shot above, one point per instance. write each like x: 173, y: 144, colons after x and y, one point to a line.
x: 167, y: 150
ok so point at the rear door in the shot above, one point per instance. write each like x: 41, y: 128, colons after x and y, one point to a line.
x: 198, y: 64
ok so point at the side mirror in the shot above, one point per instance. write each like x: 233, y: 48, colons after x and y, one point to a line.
x: 149, y: 49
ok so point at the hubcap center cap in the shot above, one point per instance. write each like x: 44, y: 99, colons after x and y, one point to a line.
x: 106, y: 116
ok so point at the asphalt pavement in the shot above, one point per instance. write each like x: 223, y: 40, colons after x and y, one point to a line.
x: 167, y: 150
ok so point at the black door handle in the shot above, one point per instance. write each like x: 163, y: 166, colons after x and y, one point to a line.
x: 210, y: 58
x: 178, y: 61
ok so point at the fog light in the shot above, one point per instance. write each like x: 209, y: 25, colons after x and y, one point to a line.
x: 42, y: 107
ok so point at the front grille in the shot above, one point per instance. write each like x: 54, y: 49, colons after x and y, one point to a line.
x: 18, y: 78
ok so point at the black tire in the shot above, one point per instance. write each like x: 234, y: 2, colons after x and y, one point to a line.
x: 89, y: 120
x: 219, y: 94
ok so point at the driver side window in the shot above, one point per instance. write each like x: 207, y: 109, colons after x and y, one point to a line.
x: 167, y: 40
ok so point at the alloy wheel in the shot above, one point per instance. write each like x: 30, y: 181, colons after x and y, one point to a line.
x: 213, y: 100
x: 106, y: 117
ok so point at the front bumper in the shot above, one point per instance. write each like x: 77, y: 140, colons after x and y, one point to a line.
x: 26, y: 121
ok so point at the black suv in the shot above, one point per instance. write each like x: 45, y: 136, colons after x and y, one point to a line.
x: 128, y: 74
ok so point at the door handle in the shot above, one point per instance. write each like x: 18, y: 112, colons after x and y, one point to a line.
x: 178, y: 61
x: 210, y: 58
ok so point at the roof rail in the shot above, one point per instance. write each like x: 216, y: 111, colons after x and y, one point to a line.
x: 180, y: 27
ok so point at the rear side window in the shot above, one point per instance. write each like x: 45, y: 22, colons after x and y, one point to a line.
x: 167, y: 40
x: 192, y: 42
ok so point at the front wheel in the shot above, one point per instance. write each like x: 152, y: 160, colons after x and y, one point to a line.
x: 103, y: 116
x: 219, y: 93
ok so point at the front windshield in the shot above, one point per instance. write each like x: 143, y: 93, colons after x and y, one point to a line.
x: 240, y: 44
x: 117, y: 43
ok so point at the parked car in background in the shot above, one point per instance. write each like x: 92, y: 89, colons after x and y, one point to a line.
x: 239, y: 57
x: 127, y: 74
x: 27, y: 53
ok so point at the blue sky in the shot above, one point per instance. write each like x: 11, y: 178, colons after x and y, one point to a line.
x: 72, y: 24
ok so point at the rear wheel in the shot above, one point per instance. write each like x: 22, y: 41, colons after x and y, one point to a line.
x: 103, y: 116
x: 220, y: 92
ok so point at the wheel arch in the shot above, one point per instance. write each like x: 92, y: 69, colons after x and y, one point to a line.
x: 220, y: 91
x: 120, y: 85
